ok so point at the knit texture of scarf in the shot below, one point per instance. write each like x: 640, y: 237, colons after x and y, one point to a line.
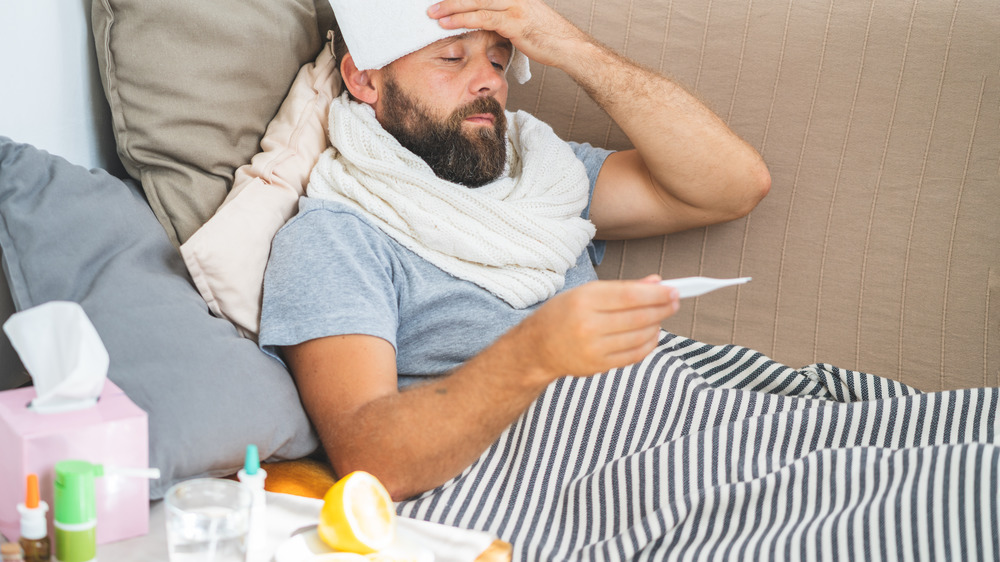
x: 515, y: 237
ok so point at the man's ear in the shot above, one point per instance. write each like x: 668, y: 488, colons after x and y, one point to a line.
x: 358, y: 82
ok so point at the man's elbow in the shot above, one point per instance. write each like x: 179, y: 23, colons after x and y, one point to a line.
x: 753, y: 187
x: 399, y: 486
x: 397, y: 482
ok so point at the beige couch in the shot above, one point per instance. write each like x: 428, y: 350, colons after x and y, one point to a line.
x: 877, y: 249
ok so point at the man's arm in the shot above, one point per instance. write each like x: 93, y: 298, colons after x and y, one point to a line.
x: 419, y: 438
x: 688, y: 169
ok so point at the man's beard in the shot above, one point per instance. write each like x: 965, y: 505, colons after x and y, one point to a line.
x: 470, y: 159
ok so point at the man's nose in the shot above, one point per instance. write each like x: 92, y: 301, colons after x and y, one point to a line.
x: 487, y: 79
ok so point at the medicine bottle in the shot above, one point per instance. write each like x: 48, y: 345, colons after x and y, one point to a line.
x: 34, y: 529
x: 252, y: 476
x: 75, y: 511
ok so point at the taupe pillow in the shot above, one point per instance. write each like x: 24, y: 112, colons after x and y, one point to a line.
x: 192, y: 86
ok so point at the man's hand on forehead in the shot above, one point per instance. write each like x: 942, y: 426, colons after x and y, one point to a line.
x: 534, y: 28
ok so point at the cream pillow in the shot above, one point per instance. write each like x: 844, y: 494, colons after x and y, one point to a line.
x: 227, y: 255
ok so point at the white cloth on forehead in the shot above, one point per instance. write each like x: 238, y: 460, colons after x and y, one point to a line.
x: 378, y: 32
x: 515, y: 237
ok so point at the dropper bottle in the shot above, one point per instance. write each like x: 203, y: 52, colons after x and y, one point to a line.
x: 252, y: 476
x: 34, y: 529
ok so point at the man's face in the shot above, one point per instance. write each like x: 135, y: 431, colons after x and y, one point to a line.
x: 471, y: 157
x: 445, y: 103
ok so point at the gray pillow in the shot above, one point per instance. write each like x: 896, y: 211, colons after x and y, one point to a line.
x: 67, y: 233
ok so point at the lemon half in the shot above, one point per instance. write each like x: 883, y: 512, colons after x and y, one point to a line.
x: 357, y: 515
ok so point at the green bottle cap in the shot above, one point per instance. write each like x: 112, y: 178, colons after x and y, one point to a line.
x: 74, y: 491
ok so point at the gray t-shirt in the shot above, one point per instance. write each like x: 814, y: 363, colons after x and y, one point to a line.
x: 332, y: 272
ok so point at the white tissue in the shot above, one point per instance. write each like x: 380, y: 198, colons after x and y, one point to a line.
x: 63, y: 353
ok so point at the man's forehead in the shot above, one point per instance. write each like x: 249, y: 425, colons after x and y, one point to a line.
x: 494, y: 38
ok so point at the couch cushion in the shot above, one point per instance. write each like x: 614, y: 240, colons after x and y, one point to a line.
x: 192, y: 86
x: 85, y: 236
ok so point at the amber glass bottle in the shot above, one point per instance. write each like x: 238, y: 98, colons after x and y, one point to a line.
x: 34, y: 532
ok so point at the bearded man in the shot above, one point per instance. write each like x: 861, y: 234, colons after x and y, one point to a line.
x: 442, y: 235
x: 436, y: 301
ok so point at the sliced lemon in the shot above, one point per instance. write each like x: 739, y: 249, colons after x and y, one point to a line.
x: 357, y: 515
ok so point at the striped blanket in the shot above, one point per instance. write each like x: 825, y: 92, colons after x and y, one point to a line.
x: 707, y: 452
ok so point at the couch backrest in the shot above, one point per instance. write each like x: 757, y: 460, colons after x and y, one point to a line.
x: 878, y: 247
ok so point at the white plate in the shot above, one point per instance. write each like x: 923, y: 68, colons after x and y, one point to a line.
x: 305, y: 546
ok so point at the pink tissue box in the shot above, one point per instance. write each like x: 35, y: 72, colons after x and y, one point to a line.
x: 112, y: 433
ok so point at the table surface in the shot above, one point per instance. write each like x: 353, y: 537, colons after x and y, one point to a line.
x: 286, y: 514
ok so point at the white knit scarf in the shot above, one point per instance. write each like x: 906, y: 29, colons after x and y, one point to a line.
x: 515, y: 237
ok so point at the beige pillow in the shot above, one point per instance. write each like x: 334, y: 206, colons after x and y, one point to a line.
x: 227, y: 256
x: 192, y: 86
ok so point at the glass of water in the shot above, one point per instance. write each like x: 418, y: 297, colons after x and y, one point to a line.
x: 207, y: 520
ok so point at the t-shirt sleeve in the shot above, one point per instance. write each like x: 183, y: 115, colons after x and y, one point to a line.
x: 340, y: 286
x: 593, y: 159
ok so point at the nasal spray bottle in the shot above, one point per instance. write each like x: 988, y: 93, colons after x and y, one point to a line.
x: 75, y: 513
x: 34, y: 530
x: 252, y: 476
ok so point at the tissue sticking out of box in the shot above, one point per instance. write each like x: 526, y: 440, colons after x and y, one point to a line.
x: 63, y: 353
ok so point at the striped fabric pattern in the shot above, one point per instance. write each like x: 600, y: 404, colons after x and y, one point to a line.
x: 705, y: 452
